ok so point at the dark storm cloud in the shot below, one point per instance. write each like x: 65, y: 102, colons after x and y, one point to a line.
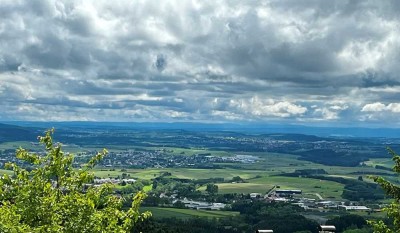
x: 161, y: 62
x: 196, y: 60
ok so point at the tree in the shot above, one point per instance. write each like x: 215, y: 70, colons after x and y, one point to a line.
x: 237, y: 179
x: 346, y: 221
x: 55, y: 197
x: 393, y: 210
x: 179, y: 205
x: 212, y: 189
x: 362, y: 230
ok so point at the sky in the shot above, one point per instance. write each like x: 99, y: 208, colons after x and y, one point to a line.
x: 288, y: 61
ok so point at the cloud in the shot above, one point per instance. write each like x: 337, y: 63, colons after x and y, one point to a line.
x: 161, y: 62
x: 379, y: 107
x: 199, y: 61
x: 265, y: 108
x: 374, y: 107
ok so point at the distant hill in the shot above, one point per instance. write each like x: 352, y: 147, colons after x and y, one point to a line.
x: 18, y: 133
x: 247, y: 128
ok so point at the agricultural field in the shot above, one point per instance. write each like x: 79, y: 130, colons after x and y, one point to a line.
x: 34, y: 146
x: 17, y: 144
x: 384, y: 162
x: 182, y: 173
x: 246, y: 188
x: 160, y: 212
x: 326, y: 189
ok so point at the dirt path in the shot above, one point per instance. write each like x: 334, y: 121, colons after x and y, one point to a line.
x: 319, y: 196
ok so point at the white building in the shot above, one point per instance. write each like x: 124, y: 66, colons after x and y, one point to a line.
x: 354, y: 208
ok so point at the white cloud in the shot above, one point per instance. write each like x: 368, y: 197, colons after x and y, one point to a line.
x: 326, y: 114
x: 339, y: 107
x: 394, y: 107
x: 380, y: 107
x: 264, y: 108
x: 198, y: 60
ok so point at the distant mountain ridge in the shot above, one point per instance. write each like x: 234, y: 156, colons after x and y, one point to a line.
x: 17, y: 133
x: 256, y: 128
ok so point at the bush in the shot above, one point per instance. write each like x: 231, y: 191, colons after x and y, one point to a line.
x: 55, y: 197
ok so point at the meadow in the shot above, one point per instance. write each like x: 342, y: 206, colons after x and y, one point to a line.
x: 182, y: 173
x: 384, y: 162
x: 309, y: 186
x: 160, y: 212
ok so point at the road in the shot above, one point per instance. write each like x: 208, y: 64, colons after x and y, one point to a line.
x: 319, y: 196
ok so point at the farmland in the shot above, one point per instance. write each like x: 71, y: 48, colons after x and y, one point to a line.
x: 159, y: 212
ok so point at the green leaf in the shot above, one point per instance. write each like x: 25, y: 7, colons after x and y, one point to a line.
x: 51, y: 197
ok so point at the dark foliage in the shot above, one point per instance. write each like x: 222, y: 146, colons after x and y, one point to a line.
x: 343, y: 222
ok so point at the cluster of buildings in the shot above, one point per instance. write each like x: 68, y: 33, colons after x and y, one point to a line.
x: 310, y: 204
x: 164, y: 159
x: 198, y: 205
x: 239, y: 158
x: 291, y: 196
x: 99, y: 181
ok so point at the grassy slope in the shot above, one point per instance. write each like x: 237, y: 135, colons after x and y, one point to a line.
x: 184, y: 173
x: 159, y: 212
x: 385, y: 162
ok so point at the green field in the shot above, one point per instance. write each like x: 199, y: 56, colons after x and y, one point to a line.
x: 35, y: 146
x: 241, y: 188
x: 183, y: 173
x: 385, y: 162
x: 159, y: 212
x: 18, y: 144
x: 327, y: 189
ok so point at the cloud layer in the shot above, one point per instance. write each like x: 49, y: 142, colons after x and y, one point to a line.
x: 292, y: 61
